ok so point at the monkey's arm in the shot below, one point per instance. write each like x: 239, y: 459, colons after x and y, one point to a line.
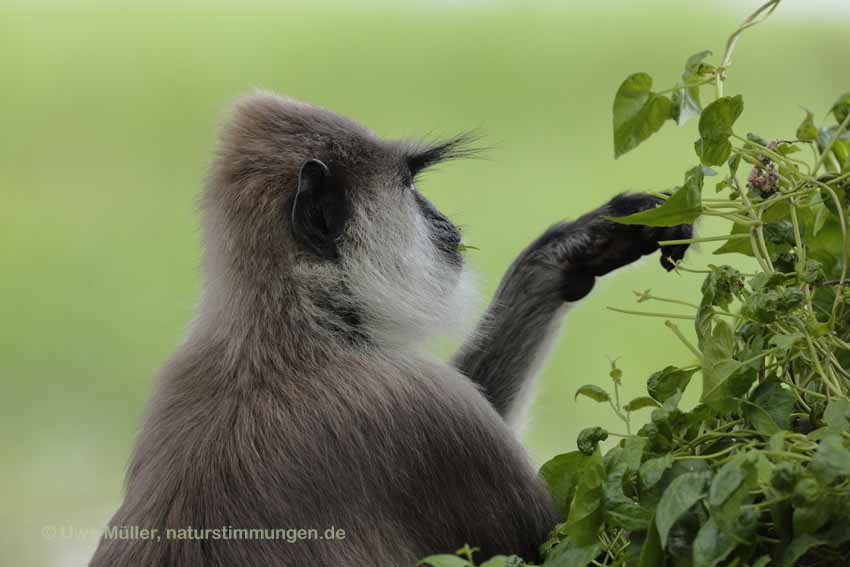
x: 560, y: 267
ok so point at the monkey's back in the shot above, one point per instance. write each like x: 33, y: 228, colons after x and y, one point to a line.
x: 402, y: 454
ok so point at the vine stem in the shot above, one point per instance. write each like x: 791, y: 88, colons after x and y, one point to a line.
x: 756, y: 232
x: 806, y: 179
x: 786, y: 454
x: 841, y: 177
x: 845, y: 244
x: 766, y: 9
x: 646, y: 296
x: 710, y: 456
x: 801, y: 252
x: 679, y: 266
x: 826, y: 151
x: 672, y: 326
x: 764, y: 151
x: 816, y: 359
x: 709, y: 210
x: 705, y: 239
x: 813, y: 181
x: 652, y: 314
x: 762, y: 354
x: 772, y: 201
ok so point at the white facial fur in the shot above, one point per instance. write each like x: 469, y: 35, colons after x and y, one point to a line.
x: 395, y: 272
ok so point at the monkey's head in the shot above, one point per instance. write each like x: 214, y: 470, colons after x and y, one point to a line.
x: 319, y: 220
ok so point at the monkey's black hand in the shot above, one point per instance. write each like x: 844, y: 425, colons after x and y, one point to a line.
x: 593, y: 245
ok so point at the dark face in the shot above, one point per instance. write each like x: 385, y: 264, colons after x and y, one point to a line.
x: 445, y: 234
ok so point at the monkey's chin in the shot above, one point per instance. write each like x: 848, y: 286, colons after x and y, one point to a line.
x: 460, y: 302
x: 437, y: 307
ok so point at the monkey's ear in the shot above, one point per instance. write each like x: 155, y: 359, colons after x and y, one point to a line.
x: 319, y: 209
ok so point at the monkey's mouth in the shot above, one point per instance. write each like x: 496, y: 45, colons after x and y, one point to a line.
x: 445, y: 234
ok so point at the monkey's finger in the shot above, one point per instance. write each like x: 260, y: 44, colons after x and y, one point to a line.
x: 671, y: 254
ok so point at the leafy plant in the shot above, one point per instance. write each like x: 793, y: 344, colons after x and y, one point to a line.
x: 758, y: 473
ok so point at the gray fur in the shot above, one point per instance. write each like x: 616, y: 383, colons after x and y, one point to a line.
x: 301, y: 397
x: 507, y: 349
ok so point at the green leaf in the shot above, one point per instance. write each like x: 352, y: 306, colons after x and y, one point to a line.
x: 727, y: 481
x: 638, y: 113
x: 837, y: 415
x: 841, y: 108
x: 807, y: 131
x: 686, y: 103
x: 761, y: 420
x: 683, y: 207
x: 826, y: 246
x: 761, y: 306
x: 733, y: 381
x: 841, y: 150
x: 619, y: 461
x: 711, y: 545
x: 764, y: 281
x: 721, y: 285
x: 722, y: 377
x: 586, y: 512
x: 764, y: 469
x: 622, y: 511
x: 694, y: 66
x: 730, y: 486
x: 445, y: 560
x: 798, y: 547
x: 568, y: 554
x: 717, y: 362
x: 786, y: 149
x: 665, y: 383
x: 786, y: 342
x: 790, y: 299
x: 627, y: 515
x: 561, y: 475
x: 593, y: 392
x: 652, y: 470
x: 777, y: 401
x: 781, y: 232
x: 811, y: 273
x: 589, y: 438
x: 682, y: 493
x: 651, y: 552
x: 809, y: 519
x: 715, y: 127
x: 504, y: 561
x: 640, y: 403
x: 713, y: 153
x: 702, y: 324
x: 831, y: 460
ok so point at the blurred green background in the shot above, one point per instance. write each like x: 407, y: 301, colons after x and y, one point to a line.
x: 106, y: 127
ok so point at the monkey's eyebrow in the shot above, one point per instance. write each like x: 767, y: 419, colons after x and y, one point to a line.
x: 420, y: 155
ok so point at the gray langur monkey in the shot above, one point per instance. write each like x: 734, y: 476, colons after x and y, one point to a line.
x: 301, y: 398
